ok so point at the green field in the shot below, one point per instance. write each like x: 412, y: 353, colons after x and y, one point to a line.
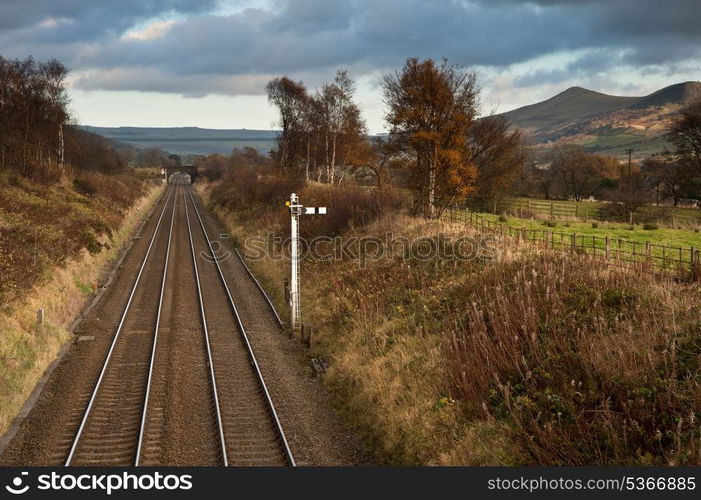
x: 673, y: 252
x: 663, y: 236
x: 689, y: 218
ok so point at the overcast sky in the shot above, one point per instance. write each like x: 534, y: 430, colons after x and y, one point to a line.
x: 205, y: 62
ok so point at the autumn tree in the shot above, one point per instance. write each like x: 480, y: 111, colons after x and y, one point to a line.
x: 290, y: 98
x: 152, y: 157
x: 431, y: 109
x: 382, y: 158
x: 498, y: 152
x: 670, y: 179
x: 88, y: 151
x: 685, y: 132
x: 214, y: 166
x: 577, y: 172
x: 33, y: 116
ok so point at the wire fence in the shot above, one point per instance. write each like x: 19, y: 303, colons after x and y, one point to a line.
x: 586, y: 211
x: 660, y: 259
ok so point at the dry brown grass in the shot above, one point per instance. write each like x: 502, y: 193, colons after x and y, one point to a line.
x: 533, y: 358
x: 590, y: 364
x: 26, y: 349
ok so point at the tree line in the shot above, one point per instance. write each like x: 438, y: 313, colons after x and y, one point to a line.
x: 37, y: 139
x: 436, y: 140
x: 33, y: 113
x: 320, y: 130
x: 439, y: 146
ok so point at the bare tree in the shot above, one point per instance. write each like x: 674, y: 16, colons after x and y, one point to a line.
x: 578, y: 172
x: 290, y: 98
x: 669, y: 178
x: 685, y: 131
x: 33, y: 114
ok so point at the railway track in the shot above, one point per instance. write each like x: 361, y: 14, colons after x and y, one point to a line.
x: 180, y: 384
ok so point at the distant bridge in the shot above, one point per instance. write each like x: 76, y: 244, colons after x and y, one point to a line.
x: 185, y: 169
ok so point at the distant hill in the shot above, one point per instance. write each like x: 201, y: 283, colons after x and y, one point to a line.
x: 603, y: 123
x: 189, y: 140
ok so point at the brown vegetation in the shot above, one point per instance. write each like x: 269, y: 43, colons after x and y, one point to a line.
x: 532, y: 358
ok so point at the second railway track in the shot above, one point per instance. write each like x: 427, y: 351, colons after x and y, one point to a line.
x: 180, y: 384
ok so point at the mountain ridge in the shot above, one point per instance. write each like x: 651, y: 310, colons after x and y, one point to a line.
x: 600, y: 122
x: 189, y: 140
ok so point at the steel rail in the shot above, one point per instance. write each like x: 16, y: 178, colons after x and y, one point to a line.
x: 260, y: 288
x: 79, y: 433
x: 244, y: 336
x: 152, y: 361
x: 220, y: 423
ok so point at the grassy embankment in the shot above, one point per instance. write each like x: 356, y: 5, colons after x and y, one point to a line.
x: 57, y: 242
x: 534, y: 357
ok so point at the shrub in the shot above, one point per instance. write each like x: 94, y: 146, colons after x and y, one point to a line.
x: 260, y: 193
x: 595, y: 225
x: 550, y: 223
x: 503, y: 218
x: 49, y: 224
x: 581, y: 361
x: 650, y: 227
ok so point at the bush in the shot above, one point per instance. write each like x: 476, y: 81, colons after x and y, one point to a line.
x: 613, y: 212
x: 550, y: 223
x: 650, y: 227
x: 595, y: 225
x: 260, y: 193
x: 502, y: 218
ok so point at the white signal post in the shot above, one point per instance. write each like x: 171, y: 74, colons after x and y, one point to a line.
x: 297, y: 209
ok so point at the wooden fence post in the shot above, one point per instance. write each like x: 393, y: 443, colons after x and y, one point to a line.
x: 607, y: 246
x: 574, y: 241
x: 552, y: 210
x: 692, y: 264
x: 664, y: 256
x: 648, y: 253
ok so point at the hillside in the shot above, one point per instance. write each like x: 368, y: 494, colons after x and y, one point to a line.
x: 603, y: 123
x: 189, y: 140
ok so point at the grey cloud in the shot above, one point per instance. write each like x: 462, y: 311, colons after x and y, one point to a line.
x: 313, y: 36
x: 91, y: 17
